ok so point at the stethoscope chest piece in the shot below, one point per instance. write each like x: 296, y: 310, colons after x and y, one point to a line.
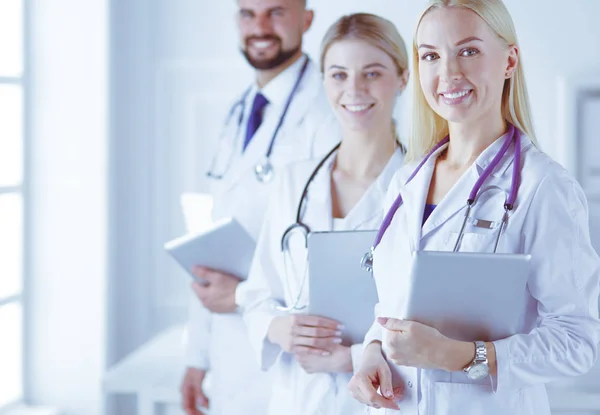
x: 264, y: 171
x: 366, y: 263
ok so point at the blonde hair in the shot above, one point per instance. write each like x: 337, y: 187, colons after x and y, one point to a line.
x: 375, y: 30
x: 428, y: 128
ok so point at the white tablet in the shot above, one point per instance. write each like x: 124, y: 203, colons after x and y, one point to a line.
x: 468, y: 296
x: 224, y: 246
x: 338, y: 287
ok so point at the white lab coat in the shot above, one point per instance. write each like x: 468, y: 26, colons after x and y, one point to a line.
x: 218, y: 341
x: 296, y: 392
x: 560, y: 332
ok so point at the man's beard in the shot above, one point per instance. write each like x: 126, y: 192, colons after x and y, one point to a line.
x: 280, y: 58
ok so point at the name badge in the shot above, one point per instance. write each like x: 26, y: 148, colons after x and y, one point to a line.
x: 484, y: 224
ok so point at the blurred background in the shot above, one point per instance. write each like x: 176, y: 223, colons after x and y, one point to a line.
x: 107, y: 115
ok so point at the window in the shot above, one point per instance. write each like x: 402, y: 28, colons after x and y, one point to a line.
x: 11, y: 199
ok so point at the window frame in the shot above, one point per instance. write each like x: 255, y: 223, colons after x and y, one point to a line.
x: 22, y: 189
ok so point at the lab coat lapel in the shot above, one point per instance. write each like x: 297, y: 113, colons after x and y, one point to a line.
x: 414, y: 195
x: 455, y: 201
x: 227, y: 156
x: 368, y: 212
x: 308, y: 90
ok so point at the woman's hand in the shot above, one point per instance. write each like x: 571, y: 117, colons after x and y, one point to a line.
x: 340, y: 361
x: 374, y: 373
x: 413, y: 344
x: 305, y: 335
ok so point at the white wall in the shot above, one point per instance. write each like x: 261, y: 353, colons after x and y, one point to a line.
x: 66, y: 297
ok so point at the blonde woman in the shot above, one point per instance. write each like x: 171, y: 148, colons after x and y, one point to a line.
x: 472, y: 127
x: 364, y: 64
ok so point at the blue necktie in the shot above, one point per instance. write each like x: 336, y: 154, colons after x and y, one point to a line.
x: 255, y: 118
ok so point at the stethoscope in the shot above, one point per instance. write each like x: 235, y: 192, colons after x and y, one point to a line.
x: 263, y: 171
x: 513, y: 135
x: 299, y: 227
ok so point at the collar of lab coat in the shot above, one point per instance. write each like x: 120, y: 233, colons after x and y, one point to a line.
x: 414, y: 194
x: 278, y: 90
x: 309, y: 88
x: 369, y: 208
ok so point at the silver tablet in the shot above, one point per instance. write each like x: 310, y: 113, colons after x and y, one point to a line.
x: 468, y: 296
x: 225, y: 246
x: 338, y: 287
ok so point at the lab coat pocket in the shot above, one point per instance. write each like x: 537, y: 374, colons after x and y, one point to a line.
x: 474, y: 242
x: 472, y: 399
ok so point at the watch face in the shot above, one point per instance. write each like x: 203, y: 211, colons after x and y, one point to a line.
x: 478, y: 371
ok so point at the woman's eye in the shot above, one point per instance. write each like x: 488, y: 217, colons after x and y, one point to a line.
x: 469, y: 52
x: 429, y: 56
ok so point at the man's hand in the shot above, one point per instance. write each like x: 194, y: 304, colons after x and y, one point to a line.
x: 218, y: 295
x: 192, y: 394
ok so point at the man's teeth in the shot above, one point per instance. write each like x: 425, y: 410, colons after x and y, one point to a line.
x: 262, y: 44
x: 455, y: 95
x: 356, y: 108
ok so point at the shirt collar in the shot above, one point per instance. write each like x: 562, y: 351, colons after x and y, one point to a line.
x: 278, y: 89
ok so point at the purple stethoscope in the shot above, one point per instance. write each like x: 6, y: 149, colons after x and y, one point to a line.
x: 513, y: 134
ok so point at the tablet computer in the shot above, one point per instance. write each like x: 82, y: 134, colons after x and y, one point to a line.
x: 468, y: 296
x: 225, y: 246
x: 338, y: 287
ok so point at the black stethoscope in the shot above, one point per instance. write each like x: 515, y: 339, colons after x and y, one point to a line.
x: 513, y: 135
x: 263, y: 170
x: 302, y: 229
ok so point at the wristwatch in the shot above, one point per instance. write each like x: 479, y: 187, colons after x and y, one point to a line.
x: 479, y: 368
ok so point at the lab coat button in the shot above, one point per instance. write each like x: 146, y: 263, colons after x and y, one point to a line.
x: 409, y: 384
